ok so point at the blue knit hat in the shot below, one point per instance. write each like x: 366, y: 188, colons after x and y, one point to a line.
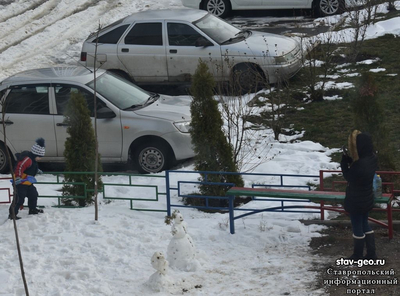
x: 38, y: 149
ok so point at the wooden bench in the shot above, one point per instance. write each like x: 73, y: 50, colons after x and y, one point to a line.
x: 314, y: 196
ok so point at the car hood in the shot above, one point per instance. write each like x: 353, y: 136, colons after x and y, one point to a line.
x: 261, y: 44
x: 169, y: 108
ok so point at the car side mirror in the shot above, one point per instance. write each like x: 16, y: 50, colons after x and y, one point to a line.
x: 105, y: 112
x: 203, y: 42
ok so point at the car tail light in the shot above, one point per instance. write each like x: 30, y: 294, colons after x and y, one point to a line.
x: 83, y: 56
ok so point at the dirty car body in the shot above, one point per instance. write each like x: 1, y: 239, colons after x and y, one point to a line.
x: 164, y: 47
x: 146, y: 130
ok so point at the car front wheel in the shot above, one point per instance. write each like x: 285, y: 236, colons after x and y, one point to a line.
x: 150, y: 158
x: 220, y: 8
x: 248, y: 78
x: 330, y: 7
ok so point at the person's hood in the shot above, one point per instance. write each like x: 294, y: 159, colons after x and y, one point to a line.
x: 364, y: 145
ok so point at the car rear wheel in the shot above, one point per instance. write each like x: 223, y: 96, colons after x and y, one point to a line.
x: 151, y: 158
x: 330, y: 7
x: 220, y: 8
x: 4, y: 162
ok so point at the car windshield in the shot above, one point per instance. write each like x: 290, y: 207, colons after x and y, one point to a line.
x: 217, y: 29
x: 122, y: 93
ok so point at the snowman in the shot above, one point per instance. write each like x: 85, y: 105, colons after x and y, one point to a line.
x: 181, y: 251
x: 159, y: 280
x: 159, y: 263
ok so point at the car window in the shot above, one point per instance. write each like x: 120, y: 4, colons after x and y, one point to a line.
x: 63, y: 93
x: 2, y: 93
x: 106, y: 28
x: 182, y: 35
x: 145, y: 34
x: 216, y: 29
x: 28, y: 99
x: 120, y: 92
x: 113, y: 36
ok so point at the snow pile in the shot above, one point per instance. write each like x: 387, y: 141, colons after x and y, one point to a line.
x: 66, y: 253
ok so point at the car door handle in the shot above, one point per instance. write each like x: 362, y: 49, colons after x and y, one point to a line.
x: 62, y: 124
x: 125, y: 49
x: 7, y: 122
x: 173, y: 51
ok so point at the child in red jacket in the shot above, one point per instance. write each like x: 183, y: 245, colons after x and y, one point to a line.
x: 25, y: 171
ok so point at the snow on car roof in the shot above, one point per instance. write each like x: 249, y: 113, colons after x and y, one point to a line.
x: 44, y: 74
x: 189, y: 15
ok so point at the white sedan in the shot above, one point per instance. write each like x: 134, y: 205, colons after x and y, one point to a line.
x: 222, y: 8
x: 164, y: 47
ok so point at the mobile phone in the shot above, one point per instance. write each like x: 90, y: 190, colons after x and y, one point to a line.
x: 345, y: 151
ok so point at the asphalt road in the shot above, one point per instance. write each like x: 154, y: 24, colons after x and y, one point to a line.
x: 283, y: 22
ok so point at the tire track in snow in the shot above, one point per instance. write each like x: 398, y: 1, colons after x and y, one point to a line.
x: 48, y: 47
x: 25, y: 18
x: 16, y: 9
x: 61, y: 42
x: 36, y: 21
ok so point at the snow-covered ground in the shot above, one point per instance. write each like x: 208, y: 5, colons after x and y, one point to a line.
x: 65, y: 252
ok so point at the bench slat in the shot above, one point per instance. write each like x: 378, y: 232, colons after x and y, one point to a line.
x: 297, y: 194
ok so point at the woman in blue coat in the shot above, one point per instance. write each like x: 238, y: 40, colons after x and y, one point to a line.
x: 359, y: 169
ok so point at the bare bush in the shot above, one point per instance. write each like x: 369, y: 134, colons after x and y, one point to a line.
x: 359, y: 19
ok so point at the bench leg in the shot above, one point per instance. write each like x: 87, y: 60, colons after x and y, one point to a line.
x: 390, y: 219
x: 322, y: 210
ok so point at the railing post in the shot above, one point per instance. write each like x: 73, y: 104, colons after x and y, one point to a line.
x: 322, y: 204
x: 321, y: 180
x: 231, y: 214
x: 390, y: 218
x: 168, y: 193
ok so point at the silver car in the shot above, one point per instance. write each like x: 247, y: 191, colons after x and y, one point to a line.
x: 222, y: 8
x: 164, y: 47
x: 134, y: 126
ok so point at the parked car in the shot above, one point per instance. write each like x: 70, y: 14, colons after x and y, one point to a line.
x: 146, y: 130
x: 223, y: 8
x: 164, y: 47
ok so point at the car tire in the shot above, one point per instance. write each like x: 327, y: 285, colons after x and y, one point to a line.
x: 4, y: 161
x: 151, y: 158
x: 220, y: 8
x: 248, y: 78
x: 330, y: 7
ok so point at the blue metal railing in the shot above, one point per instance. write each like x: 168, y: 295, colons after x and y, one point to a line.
x: 172, y: 187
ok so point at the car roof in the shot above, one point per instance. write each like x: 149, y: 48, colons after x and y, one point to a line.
x: 66, y: 73
x: 183, y: 14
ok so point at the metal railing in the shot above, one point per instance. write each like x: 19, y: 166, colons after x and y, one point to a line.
x: 107, y: 195
x: 177, y: 188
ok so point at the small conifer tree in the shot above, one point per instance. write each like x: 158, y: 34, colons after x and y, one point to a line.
x: 79, y: 151
x: 368, y: 117
x: 213, y: 153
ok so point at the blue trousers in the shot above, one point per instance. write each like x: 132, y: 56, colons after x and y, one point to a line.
x: 360, y: 225
x: 23, y: 191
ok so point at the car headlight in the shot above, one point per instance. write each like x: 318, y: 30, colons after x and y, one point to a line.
x: 280, y: 60
x: 289, y: 57
x: 183, y: 126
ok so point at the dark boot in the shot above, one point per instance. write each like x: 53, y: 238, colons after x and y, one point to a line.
x: 16, y: 217
x: 370, y: 243
x: 35, y: 211
x: 10, y: 214
x: 358, y: 248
